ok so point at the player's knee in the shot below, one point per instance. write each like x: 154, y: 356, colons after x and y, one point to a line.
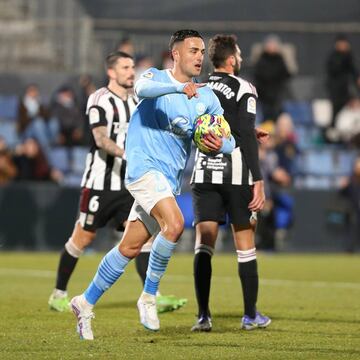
x: 174, y: 229
x: 82, y: 238
x: 129, y: 250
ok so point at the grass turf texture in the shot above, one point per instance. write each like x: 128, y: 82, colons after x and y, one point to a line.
x: 313, y: 300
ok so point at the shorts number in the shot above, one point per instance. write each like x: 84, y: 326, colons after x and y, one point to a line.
x: 94, y: 204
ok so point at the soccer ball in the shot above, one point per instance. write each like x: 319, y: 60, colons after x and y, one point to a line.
x: 205, y: 123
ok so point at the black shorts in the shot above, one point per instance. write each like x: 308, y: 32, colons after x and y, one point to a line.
x: 97, y: 208
x: 213, y: 202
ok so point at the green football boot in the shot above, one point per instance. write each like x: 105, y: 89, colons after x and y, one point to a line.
x: 169, y: 303
x: 59, y: 301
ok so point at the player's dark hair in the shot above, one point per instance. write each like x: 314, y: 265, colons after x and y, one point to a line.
x: 181, y: 35
x: 220, y: 48
x: 113, y: 57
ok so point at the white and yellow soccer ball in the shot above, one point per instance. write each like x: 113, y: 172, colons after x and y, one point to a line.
x: 205, y: 123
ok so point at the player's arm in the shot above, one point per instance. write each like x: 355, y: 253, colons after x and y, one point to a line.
x: 148, y: 87
x: 98, y: 125
x: 105, y: 143
x: 245, y: 127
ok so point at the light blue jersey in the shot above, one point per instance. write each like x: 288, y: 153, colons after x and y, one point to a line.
x: 160, y: 131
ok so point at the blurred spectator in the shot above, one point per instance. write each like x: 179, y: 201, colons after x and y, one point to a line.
x: 285, y: 144
x: 142, y: 63
x: 166, y: 60
x: 32, y: 164
x: 351, y: 190
x: 127, y: 46
x: 8, y: 169
x: 86, y: 88
x: 67, y: 113
x: 347, y: 123
x: 271, y: 76
x: 34, y: 120
x: 277, y: 215
x: 342, y: 75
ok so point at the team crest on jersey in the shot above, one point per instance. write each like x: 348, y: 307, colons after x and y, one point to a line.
x: 200, y: 108
x: 251, y: 105
x: 148, y: 75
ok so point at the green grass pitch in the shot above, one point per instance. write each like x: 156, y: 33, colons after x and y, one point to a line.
x: 313, y: 300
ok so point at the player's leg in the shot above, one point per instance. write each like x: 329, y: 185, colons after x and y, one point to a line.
x: 169, y: 217
x: 93, y: 214
x: 243, y: 224
x: 164, y: 303
x: 69, y: 257
x: 154, y: 195
x: 206, y: 234
x: 142, y: 260
x: 109, y: 271
x: 209, y: 212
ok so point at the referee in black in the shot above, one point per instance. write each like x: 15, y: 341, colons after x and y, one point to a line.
x: 229, y: 186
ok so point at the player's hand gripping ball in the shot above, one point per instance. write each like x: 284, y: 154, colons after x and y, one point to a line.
x: 206, y: 123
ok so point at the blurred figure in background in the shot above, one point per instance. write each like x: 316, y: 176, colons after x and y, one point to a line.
x: 285, y: 144
x: 127, y: 46
x: 32, y: 164
x: 8, y: 169
x: 343, y: 78
x: 67, y: 113
x: 276, y: 217
x: 166, y: 60
x: 86, y: 87
x: 271, y: 76
x: 34, y: 120
x: 142, y: 63
x: 347, y: 123
x: 351, y: 190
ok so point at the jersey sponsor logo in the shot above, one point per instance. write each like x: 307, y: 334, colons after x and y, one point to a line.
x: 214, y: 163
x: 222, y: 88
x: 251, y: 105
x: 200, y: 108
x: 94, y: 116
x: 148, y: 75
x: 180, y: 127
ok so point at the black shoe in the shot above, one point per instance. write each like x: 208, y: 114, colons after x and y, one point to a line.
x: 203, y: 324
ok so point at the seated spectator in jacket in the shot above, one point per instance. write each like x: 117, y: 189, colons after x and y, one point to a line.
x: 67, y: 113
x: 8, y: 169
x: 347, y: 123
x: 32, y: 164
x: 34, y: 120
x: 285, y: 144
x: 271, y: 76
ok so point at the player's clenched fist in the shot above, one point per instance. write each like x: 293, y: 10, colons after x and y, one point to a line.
x: 190, y: 89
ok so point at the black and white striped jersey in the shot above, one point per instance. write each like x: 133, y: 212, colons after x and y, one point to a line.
x: 104, y: 108
x: 238, y: 99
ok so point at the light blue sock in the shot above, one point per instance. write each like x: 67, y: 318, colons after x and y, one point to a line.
x: 112, y: 266
x: 160, y: 254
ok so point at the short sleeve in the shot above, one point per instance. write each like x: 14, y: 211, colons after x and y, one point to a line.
x: 96, y: 116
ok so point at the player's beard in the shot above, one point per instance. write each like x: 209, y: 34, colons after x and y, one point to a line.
x: 125, y: 85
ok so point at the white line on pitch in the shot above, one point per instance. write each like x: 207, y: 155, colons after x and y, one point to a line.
x: 182, y: 278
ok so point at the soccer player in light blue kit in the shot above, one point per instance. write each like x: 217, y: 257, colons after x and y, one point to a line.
x: 157, y: 148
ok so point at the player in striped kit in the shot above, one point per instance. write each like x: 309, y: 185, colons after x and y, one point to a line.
x: 229, y: 185
x: 103, y: 194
